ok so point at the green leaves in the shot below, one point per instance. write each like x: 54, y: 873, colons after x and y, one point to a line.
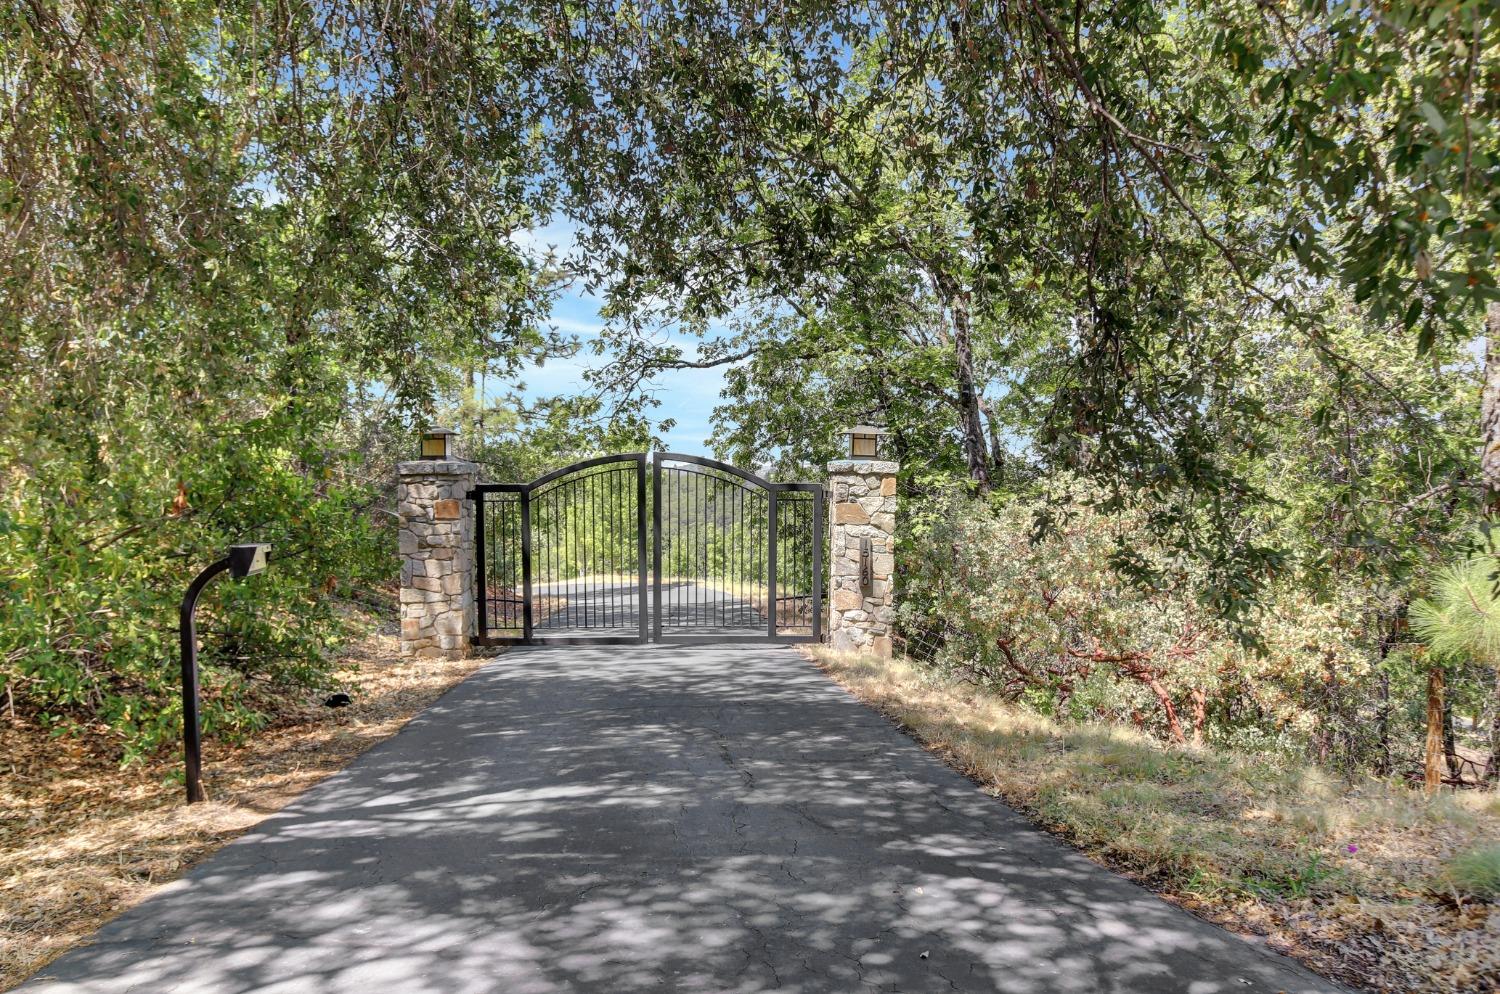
x: 242, y: 245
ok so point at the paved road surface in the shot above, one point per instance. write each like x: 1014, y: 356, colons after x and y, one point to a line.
x: 619, y: 819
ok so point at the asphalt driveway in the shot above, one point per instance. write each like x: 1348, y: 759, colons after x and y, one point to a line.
x: 716, y: 819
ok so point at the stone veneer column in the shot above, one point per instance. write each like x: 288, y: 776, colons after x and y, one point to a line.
x: 863, y: 497
x: 437, y: 557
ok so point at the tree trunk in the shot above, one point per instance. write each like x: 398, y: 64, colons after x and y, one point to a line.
x: 1383, y: 722
x: 1200, y: 713
x: 1174, y: 727
x: 976, y: 451
x: 1489, y: 413
x: 1433, y: 766
x: 1450, y: 740
x: 997, y: 453
x: 1492, y: 767
x: 1489, y: 468
x: 1064, y: 701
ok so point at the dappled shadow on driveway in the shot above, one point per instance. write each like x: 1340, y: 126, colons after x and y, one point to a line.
x: 656, y: 819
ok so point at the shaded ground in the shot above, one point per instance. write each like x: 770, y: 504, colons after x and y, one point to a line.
x: 81, y: 839
x: 1368, y: 882
x: 653, y: 818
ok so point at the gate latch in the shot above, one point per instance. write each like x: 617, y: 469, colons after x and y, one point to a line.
x: 864, y: 564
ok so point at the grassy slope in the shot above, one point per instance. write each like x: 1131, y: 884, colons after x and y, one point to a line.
x: 1369, y: 883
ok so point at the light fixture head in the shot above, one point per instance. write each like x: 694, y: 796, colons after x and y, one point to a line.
x: 864, y: 441
x: 435, y: 443
x: 248, y: 560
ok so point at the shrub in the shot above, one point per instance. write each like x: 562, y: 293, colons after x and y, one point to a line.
x: 1048, y: 618
x: 96, y: 556
x: 1475, y: 873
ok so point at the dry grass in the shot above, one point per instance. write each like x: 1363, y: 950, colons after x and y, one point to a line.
x: 82, y: 840
x: 1365, y: 883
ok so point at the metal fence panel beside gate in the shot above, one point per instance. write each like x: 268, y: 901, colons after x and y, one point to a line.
x: 563, y: 559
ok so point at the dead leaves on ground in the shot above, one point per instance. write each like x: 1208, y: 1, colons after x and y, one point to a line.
x: 81, y: 839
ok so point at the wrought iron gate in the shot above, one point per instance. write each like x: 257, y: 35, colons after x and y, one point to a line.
x: 563, y: 559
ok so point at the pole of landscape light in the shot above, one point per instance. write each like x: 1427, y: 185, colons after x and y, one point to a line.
x: 242, y: 561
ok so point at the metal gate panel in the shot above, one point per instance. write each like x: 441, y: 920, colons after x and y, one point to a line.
x: 563, y: 559
x: 734, y: 557
x: 576, y: 541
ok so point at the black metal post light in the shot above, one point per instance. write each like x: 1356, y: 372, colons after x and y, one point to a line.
x: 242, y: 561
x: 864, y: 441
x: 435, y: 444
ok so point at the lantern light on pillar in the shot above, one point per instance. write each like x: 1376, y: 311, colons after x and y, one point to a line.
x: 435, y: 444
x: 864, y: 441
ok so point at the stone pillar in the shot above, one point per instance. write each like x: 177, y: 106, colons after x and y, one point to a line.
x: 861, y: 607
x: 437, y: 557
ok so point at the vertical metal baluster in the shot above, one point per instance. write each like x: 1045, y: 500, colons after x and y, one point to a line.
x: 510, y: 573
x: 680, y: 522
x: 803, y: 559
x: 691, y: 480
x: 817, y: 577
x: 527, y: 616
x: 507, y: 581
x: 590, y: 522
x: 694, y: 509
x: 549, y: 502
x: 546, y: 537
x: 723, y: 544
x: 700, y: 573
x: 771, y: 565
x: 570, y: 554
x: 656, y: 540
x: 702, y: 549
x: 619, y: 548
x: 614, y: 510
x: 554, y: 533
x: 575, y: 494
x: 747, y: 553
x: 621, y: 530
x: 584, y: 528
x: 720, y: 595
x: 559, y: 531
x: 640, y: 540
x: 739, y: 566
x: 684, y: 521
x: 587, y: 582
x: 554, y: 550
x: 598, y: 549
x: 484, y: 591
x: 807, y: 545
x: 596, y: 592
x: 497, y: 541
x: 570, y: 551
x: 512, y: 580
x: 596, y: 529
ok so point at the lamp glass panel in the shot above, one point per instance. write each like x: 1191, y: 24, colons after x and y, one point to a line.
x: 863, y: 445
x: 434, y: 447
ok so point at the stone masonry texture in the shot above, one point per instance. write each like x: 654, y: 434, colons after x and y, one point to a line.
x: 437, y: 567
x: 862, y: 494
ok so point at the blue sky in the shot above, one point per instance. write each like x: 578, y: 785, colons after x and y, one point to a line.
x: 687, y: 396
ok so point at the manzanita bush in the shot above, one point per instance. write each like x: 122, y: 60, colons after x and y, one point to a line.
x: 1050, y: 621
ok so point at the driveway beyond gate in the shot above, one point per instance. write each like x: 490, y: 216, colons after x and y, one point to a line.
x: 656, y: 818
